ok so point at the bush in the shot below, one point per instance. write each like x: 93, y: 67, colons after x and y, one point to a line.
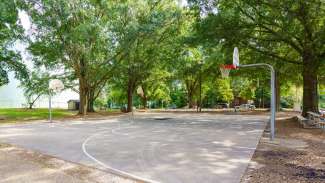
x: 287, y: 102
x: 100, y: 104
x: 179, y: 98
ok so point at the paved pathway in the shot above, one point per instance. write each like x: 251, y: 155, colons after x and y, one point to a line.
x: 160, y: 147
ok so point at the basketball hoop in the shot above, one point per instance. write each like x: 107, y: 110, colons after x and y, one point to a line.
x: 140, y: 91
x: 56, y: 85
x: 225, y: 69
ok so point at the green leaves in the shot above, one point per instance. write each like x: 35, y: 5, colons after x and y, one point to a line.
x: 10, y: 31
x: 34, y: 86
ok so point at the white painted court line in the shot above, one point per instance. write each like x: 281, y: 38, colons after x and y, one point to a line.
x: 84, y: 149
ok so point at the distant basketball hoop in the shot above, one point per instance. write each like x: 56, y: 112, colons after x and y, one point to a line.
x: 55, y: 85
x: 140, y: 91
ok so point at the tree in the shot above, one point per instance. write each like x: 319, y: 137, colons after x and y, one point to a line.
x: 155, y: 87
x: 10, y: 31
x: 177, y: 94
x: 77, y: 37
x: 153, y: 25
x: 287, y: 31
x: 189, y: 71
x: 35, y: 86
x: 223, y: 90
x: 244, y: 88
x: 116, y: 95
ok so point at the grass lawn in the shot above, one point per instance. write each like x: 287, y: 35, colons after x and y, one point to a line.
x: 22, y: 114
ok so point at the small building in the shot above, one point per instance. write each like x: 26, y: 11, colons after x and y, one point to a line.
x: 73, y: 104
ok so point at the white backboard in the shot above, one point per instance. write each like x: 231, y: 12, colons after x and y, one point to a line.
x: 56, y: 85
x: 140, y: 91
x: 235, y: 57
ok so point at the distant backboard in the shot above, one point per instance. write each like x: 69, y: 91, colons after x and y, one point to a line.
x: 140, y: 91
x: 56, y: 85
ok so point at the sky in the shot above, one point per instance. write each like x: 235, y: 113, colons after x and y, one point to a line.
x: 11, y: 95
x: 182, y: 3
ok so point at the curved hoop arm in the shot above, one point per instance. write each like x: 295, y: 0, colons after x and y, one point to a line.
x: 258, y: 65
x: 272, y: 118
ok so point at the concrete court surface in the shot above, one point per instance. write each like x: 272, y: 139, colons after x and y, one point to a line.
x: 156, y: 147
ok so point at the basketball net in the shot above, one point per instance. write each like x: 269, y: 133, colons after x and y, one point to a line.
x: 225, y: 70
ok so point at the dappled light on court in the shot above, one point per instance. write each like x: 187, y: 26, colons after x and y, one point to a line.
x: 240, y: 160
x: 14, y: 132
x: 177, y: 155
x: 226, y: 143
x: 174, y: 148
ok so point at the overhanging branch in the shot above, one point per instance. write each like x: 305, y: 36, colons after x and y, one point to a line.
x: 274, y: 55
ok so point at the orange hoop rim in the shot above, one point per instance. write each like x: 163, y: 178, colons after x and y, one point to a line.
x: 228, y: 66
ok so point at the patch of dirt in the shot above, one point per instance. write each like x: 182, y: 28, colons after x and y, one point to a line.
x: 100, y: 115
x: 78, y: 171
x: 297, y: 155
x: 20, y: 165
x: 4, y: 146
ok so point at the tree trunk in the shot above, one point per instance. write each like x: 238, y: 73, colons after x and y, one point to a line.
x: 83, y: 88
x: 130, y: 101
x: 90, y: 106
x: 190, y: 100
x: 130, y: 96
x: 310, y: 90
x: 91, y: 100
x: 144, y: 102
x: 144, y: 98
x: 83, y: 96
x: 31, y: 104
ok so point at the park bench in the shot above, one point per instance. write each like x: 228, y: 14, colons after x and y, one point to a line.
x: 317, y: 118
x: 313, y: 120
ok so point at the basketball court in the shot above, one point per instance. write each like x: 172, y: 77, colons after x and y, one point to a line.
x: 154, y: 147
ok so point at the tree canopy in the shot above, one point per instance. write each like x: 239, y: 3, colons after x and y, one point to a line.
x: 171, y: 52
x: 289, y: 33
x: 10, y: 31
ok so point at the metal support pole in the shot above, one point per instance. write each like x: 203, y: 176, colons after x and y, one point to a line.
x: 200, y: 89
x: 272, y: 117
x: 272, y: 102
x: 50, y: 107
x: 199, y: 109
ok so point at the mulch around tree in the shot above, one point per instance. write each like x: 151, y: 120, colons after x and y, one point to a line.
x: 296, y: 155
